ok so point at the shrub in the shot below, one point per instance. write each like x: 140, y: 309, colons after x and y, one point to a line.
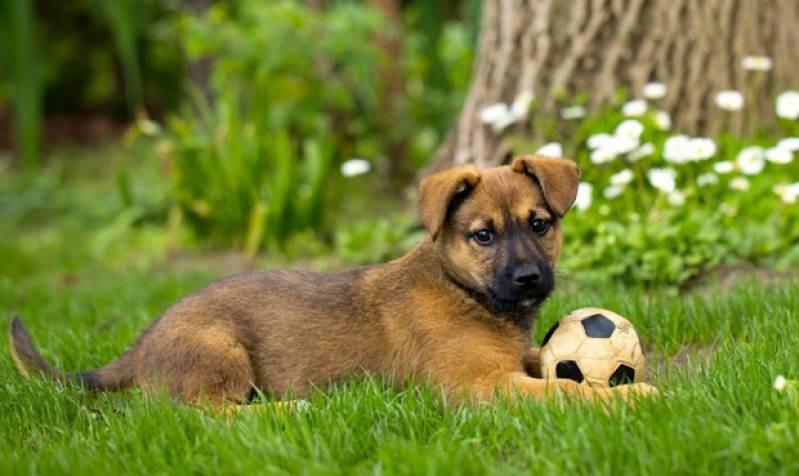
x: 293, y: 92
x: 656, y: 206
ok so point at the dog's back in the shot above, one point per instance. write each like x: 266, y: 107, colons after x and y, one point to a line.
x: 277, y: 330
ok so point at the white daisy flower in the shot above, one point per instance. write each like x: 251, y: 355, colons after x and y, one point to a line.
x: 788, y: 105
x: 622, y: 178
x: 750, y: 160
x: 756, y: 63
x: 645, y: 150
x: 676, y: 198
x: 634, y: 108
x: 730, y: 100
x: 629, y: 128
x: 573, y: 112
x: 662, y: 179
x: 584, y: 195
x: 789, y: 143
x: 780, y: 383
x: 654, y: 90
x: 603, y: 155
x: 354, y: 167
x: 499, y: 116
x: 702, y: 148
x: 613, y: 146
x: 677, y: 149
x: 778, y: 155
x: 739, y: 183
x: 613, y: 191
x: 706, y: 179
x: 724, y: 167
x: 503, y: 122
x: 493, y: 113
x: 751, y: 151
x: 663, y: 120
x: 788, y: 193
x: 623, y: 144
x: 598, y: 140
x: 552, y: 149
x: 521, y: 104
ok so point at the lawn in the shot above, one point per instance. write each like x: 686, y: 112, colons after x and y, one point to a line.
x: 86, y: 282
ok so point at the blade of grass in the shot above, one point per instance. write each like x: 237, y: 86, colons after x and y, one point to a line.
x: 27, y: 91
x: 122, y: 20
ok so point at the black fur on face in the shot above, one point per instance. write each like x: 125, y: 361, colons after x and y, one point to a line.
x: 523, y: 276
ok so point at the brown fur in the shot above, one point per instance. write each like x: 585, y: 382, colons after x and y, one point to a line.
x: 430, y: 314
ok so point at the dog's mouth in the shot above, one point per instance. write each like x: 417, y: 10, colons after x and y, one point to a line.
x: 516, y: 303
x: 499, y: 302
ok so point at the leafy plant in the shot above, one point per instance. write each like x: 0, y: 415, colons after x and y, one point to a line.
x: 122, y: 18
x: 659, y: 207
x: 293, y: 94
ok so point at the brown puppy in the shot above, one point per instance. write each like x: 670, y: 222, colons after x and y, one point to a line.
x: 458, y: 309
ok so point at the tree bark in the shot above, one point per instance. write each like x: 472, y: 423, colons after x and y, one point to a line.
x: 559, y: 48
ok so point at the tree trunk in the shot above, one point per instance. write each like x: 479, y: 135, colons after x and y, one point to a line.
x: 560, y: 48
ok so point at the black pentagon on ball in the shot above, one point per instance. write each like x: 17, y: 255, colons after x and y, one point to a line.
x: 570, y: 370
x: 623, y: 375
x: 598, y: 326
x: 549, y: 333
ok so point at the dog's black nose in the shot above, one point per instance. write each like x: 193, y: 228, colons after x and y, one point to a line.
x: 527, y: 276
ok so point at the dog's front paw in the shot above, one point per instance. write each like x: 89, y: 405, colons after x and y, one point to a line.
x: 637, y: 389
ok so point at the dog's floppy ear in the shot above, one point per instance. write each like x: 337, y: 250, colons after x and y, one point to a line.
x: 558, y: 179
x: 437, y: 192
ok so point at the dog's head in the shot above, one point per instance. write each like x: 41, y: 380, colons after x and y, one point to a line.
x: 498, y: 229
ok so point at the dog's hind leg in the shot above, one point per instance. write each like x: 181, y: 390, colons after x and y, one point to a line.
x: 205, y: 366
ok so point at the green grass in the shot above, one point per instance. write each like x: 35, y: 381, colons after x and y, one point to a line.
x: 84, y: 303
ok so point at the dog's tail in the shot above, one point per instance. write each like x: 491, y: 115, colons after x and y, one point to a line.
x: 115, y: 376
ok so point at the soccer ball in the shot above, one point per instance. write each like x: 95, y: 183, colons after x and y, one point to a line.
x: 595, y: 346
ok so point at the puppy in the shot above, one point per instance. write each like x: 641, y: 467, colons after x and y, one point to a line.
x: 457, y: 310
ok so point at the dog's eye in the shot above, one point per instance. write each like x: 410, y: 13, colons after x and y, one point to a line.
x: 483, y: 237
x: 540, y: 227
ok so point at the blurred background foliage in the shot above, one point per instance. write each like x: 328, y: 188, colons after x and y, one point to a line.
x: 289, y: 129
x: 260, y: 101
x: 116, y: 58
